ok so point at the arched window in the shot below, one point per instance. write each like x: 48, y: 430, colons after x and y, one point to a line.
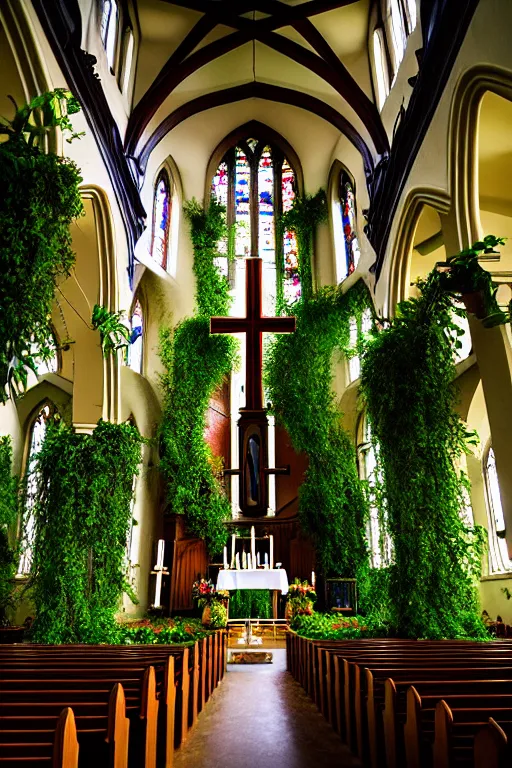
x: 136, y: 347
x: 348, y: 221
x: 356, y: 336
x: 379, y: 541
x: 161, y: 219
x: 499, y: 561
x: 36, y: 437
x: 109, y: 27
x: 381, y: 67
x: 256, y: 183
x: 128, y: 48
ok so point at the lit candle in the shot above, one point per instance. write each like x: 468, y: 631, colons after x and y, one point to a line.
x: 271, y: 552
x: 225, y: 557
x: 253, y: 543
x: 313, y: 579
x: 237, y: 561
x: 233, y: 548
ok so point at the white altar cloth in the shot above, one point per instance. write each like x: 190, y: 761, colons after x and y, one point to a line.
x: 259, y: 579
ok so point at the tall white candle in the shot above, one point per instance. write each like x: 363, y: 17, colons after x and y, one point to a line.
x: 233, y: 548
x: 313, y: 580
x: 225, y: 557
x: 237, y: 561
x: 271, y: 552
x: 249, y: 561
x: 244, y: 560
x: 266, y: 559
x: 253, y: 543
x: 258, y: 563
x: 160, y: 553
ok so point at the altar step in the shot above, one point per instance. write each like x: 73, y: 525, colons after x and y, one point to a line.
x: 268, y: 633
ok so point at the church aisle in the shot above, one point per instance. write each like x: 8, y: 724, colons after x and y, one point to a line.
x: 261, y: 718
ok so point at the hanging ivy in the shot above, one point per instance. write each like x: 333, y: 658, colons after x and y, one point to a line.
x: 408, y: 383
x: 8, y: 518
x: 303, y: 219
x: 82, y: 518
x: 299, y: 381
x: 250, y: 604
x: 196, y: 364
x: 40, y: 198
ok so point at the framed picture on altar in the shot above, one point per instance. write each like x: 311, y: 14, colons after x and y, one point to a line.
x: 341, y: 595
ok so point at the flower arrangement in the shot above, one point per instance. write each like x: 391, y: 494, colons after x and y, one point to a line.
x: 301, y: 597
x: 161, y: 631
x: 204, y: 592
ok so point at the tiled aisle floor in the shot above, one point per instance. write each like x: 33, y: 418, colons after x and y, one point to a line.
x: 259, y: 717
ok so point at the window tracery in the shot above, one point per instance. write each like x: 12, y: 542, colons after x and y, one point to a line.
x: 348, y: 221
x: 499, y: 561
x: 109, y: 30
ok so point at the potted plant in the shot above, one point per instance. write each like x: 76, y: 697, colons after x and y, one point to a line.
x: 301, y: 598
x: 214, y: 604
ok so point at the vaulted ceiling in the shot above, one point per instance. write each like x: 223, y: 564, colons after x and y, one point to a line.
x: 197, y: 54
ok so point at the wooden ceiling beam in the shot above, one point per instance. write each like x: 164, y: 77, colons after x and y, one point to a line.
x: 257, y: 90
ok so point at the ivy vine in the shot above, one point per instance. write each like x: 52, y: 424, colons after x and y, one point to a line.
x: 303, y: 219
x: 40, y: 200
x: 196, y: 363
x: 408, y: 384
x: 299, y: 381
x: 8, y: 519
x: 82, y: 517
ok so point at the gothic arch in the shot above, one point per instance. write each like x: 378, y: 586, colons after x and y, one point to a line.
x: 413, y: 207
x: 463, y: 143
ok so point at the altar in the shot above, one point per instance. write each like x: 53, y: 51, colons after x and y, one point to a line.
x: 273, y: 579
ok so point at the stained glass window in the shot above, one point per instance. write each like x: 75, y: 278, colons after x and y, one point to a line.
x: 37, y: 435
x: 136, y: 346
x: 255, y: 182
x: 381, y: 67
x: 108, y: 26
x: 499, y: 561
x: 161, y: 220
x: 348, y: 218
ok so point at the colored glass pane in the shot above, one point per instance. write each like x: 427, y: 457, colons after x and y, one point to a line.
x: 348, y: 213
x: 291, y: 260
x: 161, y: 221
x: 242, y: 204
x: 266, y: 229
x: 135, y: 349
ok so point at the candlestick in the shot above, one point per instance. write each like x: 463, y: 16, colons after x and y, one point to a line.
x: 271, y: 552
x: 225, y: 557
x: 233, y: 548
x: 237, y: 561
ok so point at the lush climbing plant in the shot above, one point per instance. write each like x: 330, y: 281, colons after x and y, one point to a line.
x: 408, y: 384
x: 8, y: 517
x: 196, y: 363
x: 299, y: 382
x: 40, y: 198
x: 250, y: 603
x: 303, y: 219
x: 114, y: 332
x: 82, y: 517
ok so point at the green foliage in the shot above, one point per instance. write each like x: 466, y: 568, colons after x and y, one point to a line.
x: 250, y: 604
x: 218, y: 615
x: 332, y: 504
x: 207, y: 228
x: 113, y: 331
x: 82, y: 517
x: 196, y: 364
x: 408, y: 374
x: 332, y: 626
x: 39, y: 200
x: 303, y: 218
x: 8, y: 517
x: 161, y: 631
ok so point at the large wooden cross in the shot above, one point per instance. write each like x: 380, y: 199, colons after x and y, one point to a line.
x: 253, y: 425
x: 254, y: 324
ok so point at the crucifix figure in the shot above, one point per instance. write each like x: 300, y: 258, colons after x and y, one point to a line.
x: 253, y: 424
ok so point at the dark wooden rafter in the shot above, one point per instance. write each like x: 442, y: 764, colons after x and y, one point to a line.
x: 255, y: 90
x: 326, y: 64
x: 282, y: 15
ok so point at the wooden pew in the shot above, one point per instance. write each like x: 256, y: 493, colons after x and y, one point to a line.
x: 35, y: 745
x: 491, y: 746
x: 65, y: 745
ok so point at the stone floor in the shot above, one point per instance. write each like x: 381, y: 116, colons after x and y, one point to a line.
x: 259, y: 717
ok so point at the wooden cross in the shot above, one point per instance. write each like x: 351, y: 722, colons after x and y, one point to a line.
x: 254, y: 324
